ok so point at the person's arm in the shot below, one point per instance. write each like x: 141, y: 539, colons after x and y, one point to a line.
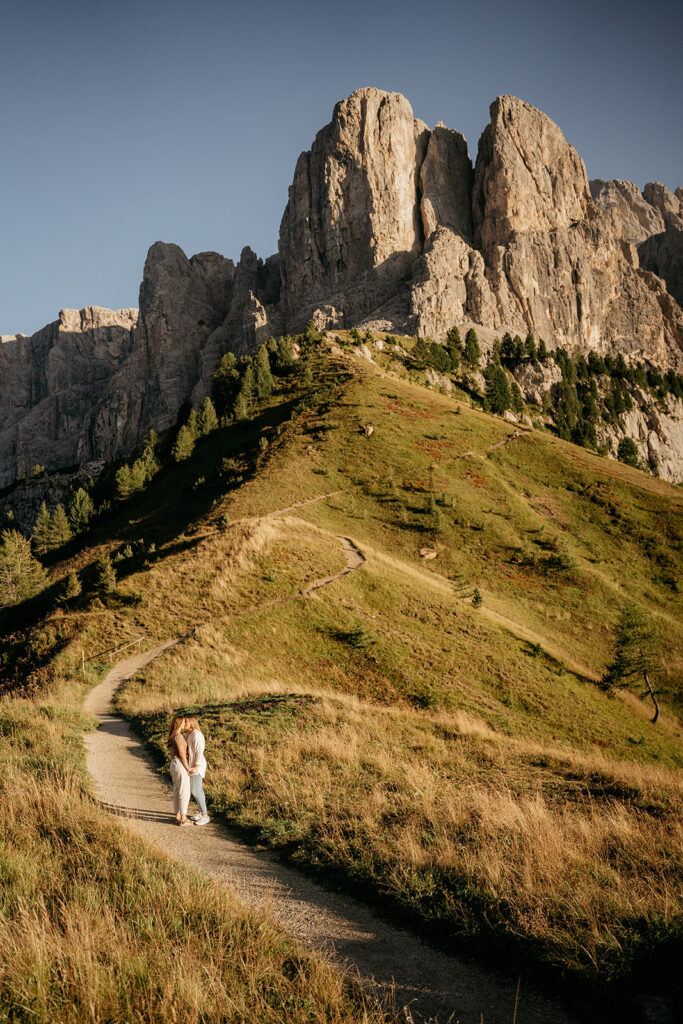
x: 192, y: 770
x: 181, y: 748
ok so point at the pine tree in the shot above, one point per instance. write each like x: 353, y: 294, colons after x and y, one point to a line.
x: 530, y: 347
x: 284, y: 354
x: 627, y: 452
x: 472, y: 350
x: 225, y: 383
x: 264, y: 378
x: 80, y: 510
x: 454, y: 348
x: 207, y: 419
x: 105, y: 575
x: 247, y: 388
x: 193, y: 424
x: 542, y: 351
x: 21, y: 575
x: 42, y: 531
x: 60, y: 531
x: 636, y: 649
x: 124, y: 483
x: 453, y: 339
x: 240, y: 410
x: 138, y: 475
x: 71, y: 588
x: 517, y: 399
x: 498, y: 397
x: 150, y: 455
x: 184, y: 444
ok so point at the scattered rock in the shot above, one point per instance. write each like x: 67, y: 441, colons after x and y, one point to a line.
x: 368, y: 430
x: 427, y: 553
x: 439, y: 380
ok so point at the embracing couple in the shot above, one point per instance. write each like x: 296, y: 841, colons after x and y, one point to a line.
x: 188, y: 768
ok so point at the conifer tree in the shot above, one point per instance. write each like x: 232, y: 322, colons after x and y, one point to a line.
x: 516, y: 397
x: 636, y: 648
x: 627, y: 452
x: 285, y: 354
x: 124, y: 483
x: 247, y: 387
x: 207, y: 419
x: 542, y: 351
x: 105, y: 575
x: 240, y: 410
x: 453, y: 339
x: 184, y: 444
x: 225, y: 384
x: 498, y: 397
x: 264, y: 378
x: 193, y: 424
x: 80, y: 510
x: 71, y: 588
x: 21, y: 575
x: 42, y: 531
x: 472, y: 350
x: 138, y: 475
x: 530, y: 347
x: 150, y: 454
x: 60, y: 531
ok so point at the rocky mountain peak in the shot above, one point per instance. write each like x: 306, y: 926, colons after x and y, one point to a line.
x: 666, y: 202
x: 387, y: 226
x: 528, y: 177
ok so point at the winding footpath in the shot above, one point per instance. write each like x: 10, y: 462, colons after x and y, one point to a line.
x: 393, y: 965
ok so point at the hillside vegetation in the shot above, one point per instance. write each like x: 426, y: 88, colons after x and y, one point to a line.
x: 428, y: 729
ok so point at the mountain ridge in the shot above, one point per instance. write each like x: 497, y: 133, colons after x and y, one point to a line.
x: 387, y: 226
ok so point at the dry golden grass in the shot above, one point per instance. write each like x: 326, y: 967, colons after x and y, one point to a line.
x: 570, y: 852
x: 93, y: 927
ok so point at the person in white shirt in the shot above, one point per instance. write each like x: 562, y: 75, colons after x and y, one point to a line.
x: 197, y: 762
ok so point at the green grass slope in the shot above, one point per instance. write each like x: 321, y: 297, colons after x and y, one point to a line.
x: 457, y: 763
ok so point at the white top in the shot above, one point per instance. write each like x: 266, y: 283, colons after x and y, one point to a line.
x: 195, y: 751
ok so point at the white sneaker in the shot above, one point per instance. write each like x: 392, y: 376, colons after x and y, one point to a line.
x: 196, y: 817
x: 203, y: 819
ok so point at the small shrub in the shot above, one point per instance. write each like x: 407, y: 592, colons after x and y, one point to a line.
x: 477, y: 599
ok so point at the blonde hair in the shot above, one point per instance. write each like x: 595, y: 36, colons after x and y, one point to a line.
x: 176, y: 726
x: 192, y: 722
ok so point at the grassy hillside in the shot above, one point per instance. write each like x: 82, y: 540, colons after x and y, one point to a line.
x: 95, y: 927
x: 458, y: 763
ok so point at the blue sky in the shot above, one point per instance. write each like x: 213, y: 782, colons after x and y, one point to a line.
x: 123, y: 123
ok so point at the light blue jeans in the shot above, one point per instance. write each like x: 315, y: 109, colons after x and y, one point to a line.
x: 197, y: 791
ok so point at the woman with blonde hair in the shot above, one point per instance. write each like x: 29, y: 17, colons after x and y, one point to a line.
x: 180, y: 770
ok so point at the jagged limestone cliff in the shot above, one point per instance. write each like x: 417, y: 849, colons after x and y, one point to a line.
x: 387, y: 225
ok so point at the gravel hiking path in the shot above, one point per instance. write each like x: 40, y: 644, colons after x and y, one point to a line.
x: 392, y: 964
x: 407, y: 976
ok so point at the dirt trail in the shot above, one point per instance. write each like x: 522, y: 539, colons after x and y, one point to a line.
x: 354, y: 559
x: 392, y: 963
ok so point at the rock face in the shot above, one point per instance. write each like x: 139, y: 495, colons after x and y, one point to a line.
x: 88, y: 387
x: 352, y: 226
x: 630, y: 215
x: 652, y: 220
x: 53, y: 390
x: 388, y: 225
x: 658, y: 435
